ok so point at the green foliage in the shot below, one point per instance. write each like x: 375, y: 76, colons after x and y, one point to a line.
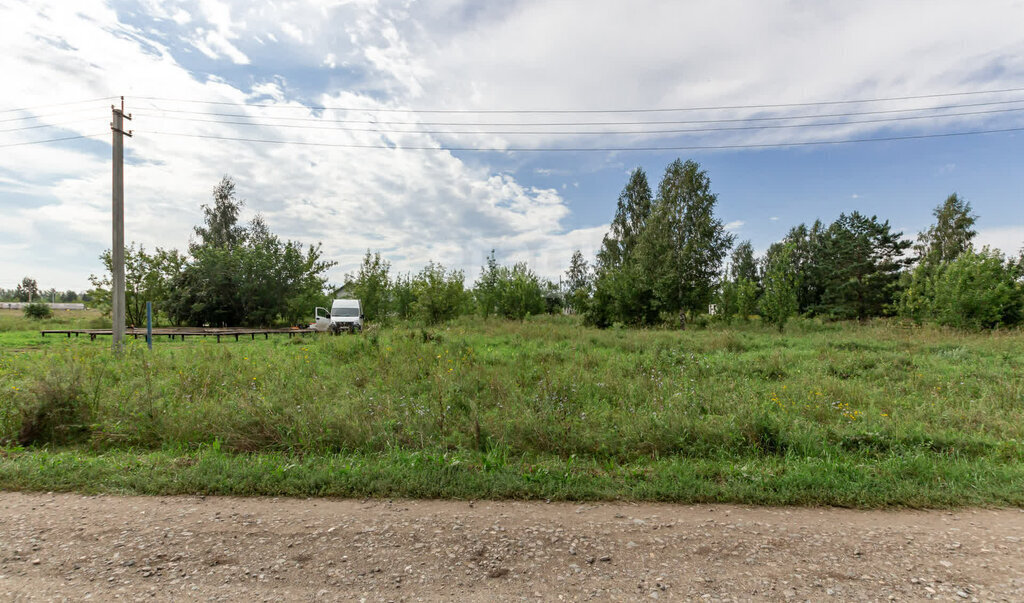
x: 27, y: 290
x: 244, y: 276
x: 682, y: 247
x: 726, y: 302
x: 37, y: 310
x: 486, y: 288
x: 631, y: 214
x: 371, y: 286
x: 578, y: 283
x: 621, y: 295
x: 808, y: 262
x: 977, y: 290
x: 403, y: 296
x: 743, y: 264
x: 148, y: 278
x: 221, y: 228
x: 859, y: 267
x: 440, y: 294
x: 660, y: 257
x: 951, y: 234
x: 519, y: 292
x: 779, y: 301
x: 746, y: 298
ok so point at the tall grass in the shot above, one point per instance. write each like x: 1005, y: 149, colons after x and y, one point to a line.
x: 544, y: 388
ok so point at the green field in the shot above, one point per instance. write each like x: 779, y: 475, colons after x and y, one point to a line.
x: 828, y: 413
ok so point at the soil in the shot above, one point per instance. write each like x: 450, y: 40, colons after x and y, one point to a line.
x: 56, y: 546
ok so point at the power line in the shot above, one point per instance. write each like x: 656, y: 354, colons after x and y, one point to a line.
x: 21, y: 144
x: 570, y: 111
x: 577, y: 132
x: 81, y: 102
x: 589, y: 123
x: 56, y: 125
x: 587, y: 149
x: 29, y: 117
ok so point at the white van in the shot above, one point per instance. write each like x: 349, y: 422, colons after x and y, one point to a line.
x: 346, y: 315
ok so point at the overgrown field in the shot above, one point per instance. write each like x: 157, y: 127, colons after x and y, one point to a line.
x: 847, y: 414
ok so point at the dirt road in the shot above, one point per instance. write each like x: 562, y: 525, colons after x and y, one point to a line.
x: 192, y: 548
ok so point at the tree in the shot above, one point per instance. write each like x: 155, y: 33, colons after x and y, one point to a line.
x: 860, y: 265
x: 631, y: 215
x: 779, y: 300
x: 951, y: 234
x: 519, y: 292
x: 220, y: 228
x: 681, y: 249
x: 403, y: 296
x: 725, y: 303
x: 246, y: 276
x: 147, y: 278
x: 807, y: 262
x: 440, y: 293
x: 619, y: 294
x: 486, y: 288
x: 977, y: 290
x: 746, y: 297
x: 743, y: 264
x: 578, y: 282
x: 26, y: 290
x: 370, y: 285
x: 37, y: 310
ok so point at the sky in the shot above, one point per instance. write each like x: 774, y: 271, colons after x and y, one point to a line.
x: 441, y: 130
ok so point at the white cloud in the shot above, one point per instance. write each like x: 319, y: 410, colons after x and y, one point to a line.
x: 774, y: 218
x: 454, y: 54
x: 1008, y: 239
x: 734, y: 225
x: 181, y: 17
x: 855, y: 196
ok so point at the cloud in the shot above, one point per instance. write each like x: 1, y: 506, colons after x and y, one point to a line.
x: 457, y: 54
x: 735, y: 225
x: 855, y: 196
x: 1008, y: 239
x: 774, y: 218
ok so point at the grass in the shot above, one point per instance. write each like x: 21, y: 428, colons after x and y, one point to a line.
x: 844, y: 414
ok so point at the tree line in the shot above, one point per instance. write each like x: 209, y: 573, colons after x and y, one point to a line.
x: 666, y: 258
x: 28, y: 290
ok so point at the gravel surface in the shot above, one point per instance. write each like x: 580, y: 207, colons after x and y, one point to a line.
x: 55, y: 546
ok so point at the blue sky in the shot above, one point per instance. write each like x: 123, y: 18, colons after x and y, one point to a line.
x: 375, y: 57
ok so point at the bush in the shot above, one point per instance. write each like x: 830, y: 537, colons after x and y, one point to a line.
x: 977, y: 290
x: 38, y: 310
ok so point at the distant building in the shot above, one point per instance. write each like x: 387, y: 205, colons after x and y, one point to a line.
x: 20, y: 305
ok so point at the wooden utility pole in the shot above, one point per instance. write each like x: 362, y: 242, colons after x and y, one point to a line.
x: 117, y: 251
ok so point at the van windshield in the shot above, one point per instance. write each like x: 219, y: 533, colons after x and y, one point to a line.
x: 345, y: 312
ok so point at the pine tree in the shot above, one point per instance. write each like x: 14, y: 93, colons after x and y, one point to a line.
x: 861, y: 260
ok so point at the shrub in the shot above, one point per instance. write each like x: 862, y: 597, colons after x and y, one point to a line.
x: 38, y: 310
x: 977, y: 290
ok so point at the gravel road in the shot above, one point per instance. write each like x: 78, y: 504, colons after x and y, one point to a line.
x: 55, y: 546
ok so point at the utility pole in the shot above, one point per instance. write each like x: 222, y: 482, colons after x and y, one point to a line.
x: 117, y: 251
